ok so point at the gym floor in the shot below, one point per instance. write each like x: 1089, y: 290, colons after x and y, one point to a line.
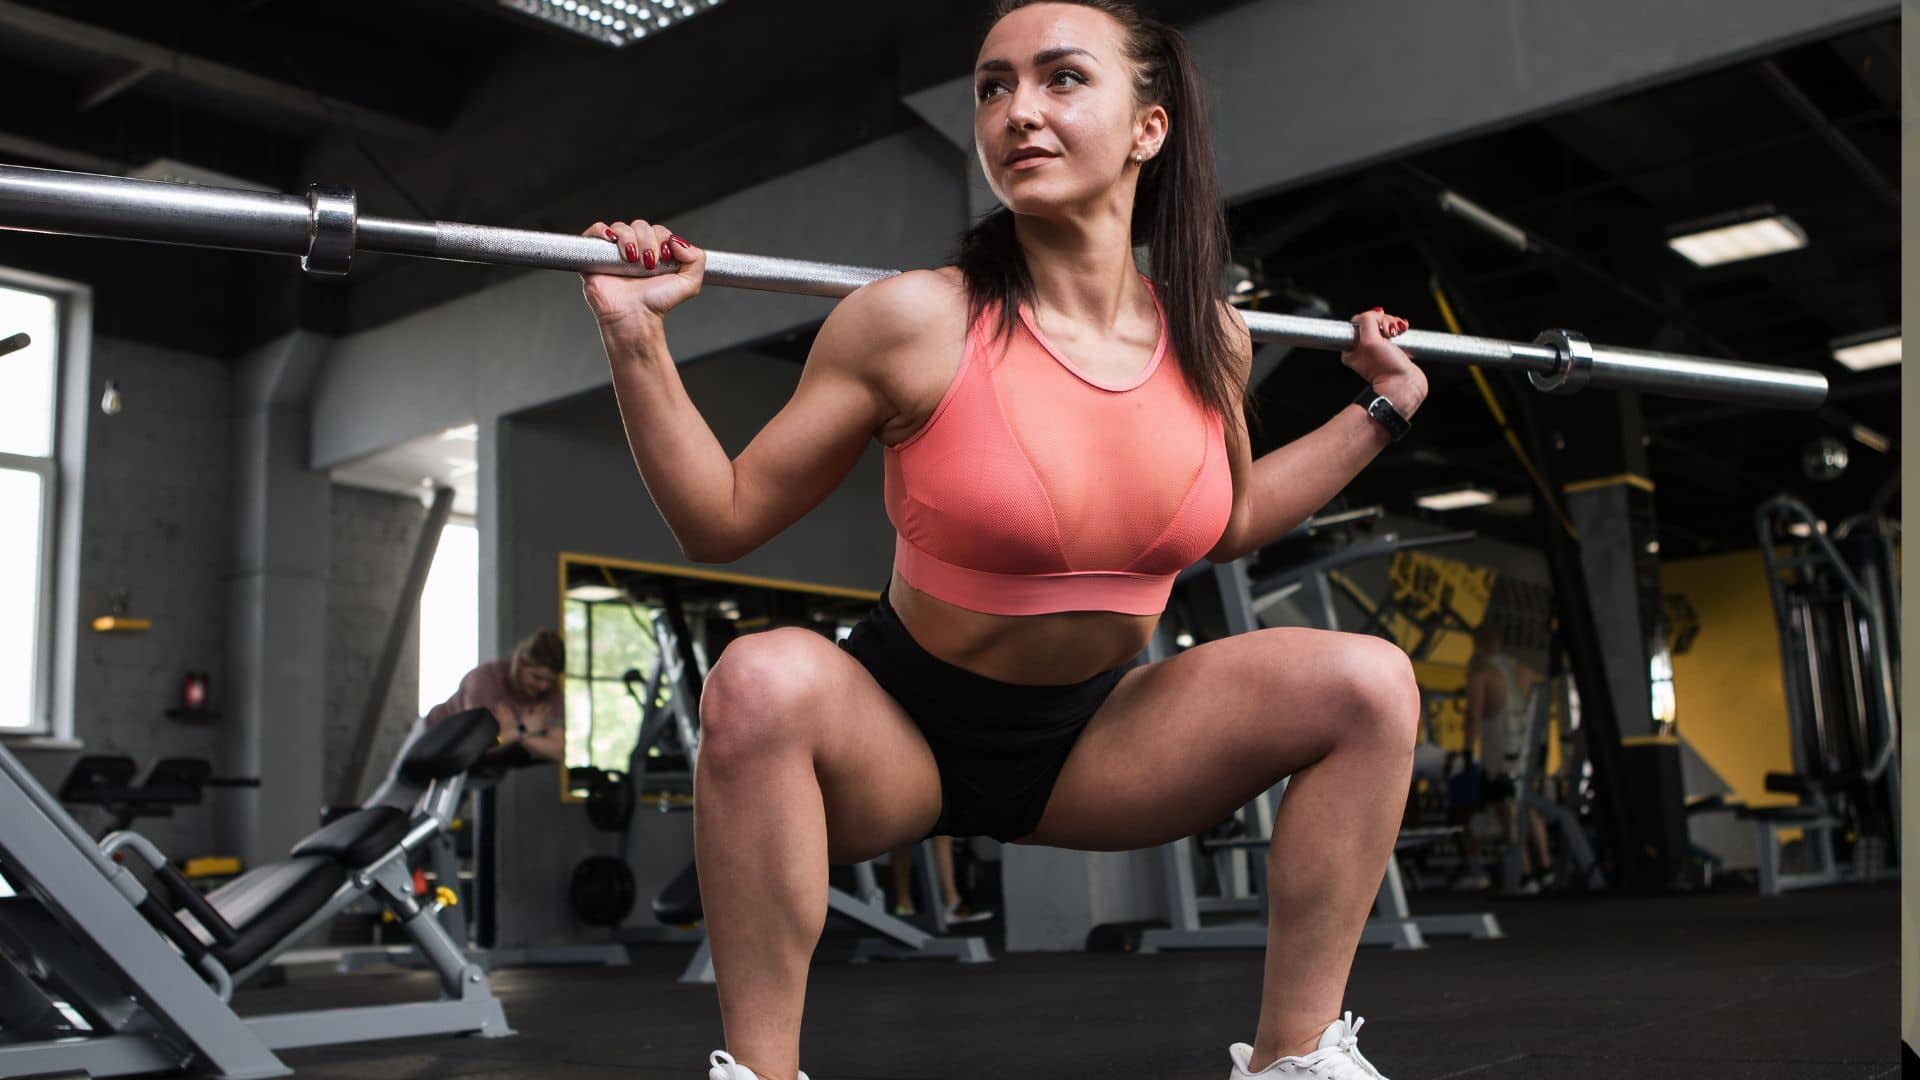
x: 1804, y: 986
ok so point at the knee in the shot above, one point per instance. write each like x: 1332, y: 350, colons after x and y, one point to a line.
x: 762, y: 696
x: 1386, y: 699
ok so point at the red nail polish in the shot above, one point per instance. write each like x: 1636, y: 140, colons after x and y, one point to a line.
x: 610, y: 235
x: 1379, y: 309
x: 647, y: 257
x: 633, y: 255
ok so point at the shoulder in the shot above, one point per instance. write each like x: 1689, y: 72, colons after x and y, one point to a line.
x: 899, y: 310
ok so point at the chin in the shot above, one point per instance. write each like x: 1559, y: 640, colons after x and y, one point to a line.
x: 1039, y: 200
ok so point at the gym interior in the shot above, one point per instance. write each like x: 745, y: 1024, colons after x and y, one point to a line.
x: 256, y: 522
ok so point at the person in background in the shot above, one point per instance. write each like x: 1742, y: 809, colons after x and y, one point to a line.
x: 1499, y: 690
x: 958, y: 911
x: 523, y: 693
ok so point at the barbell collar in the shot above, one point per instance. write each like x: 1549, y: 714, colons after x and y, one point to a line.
x: 1572, y: 365
x: 331, y: 230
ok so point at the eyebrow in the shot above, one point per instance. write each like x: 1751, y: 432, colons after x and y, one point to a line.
x: 1040, y: 59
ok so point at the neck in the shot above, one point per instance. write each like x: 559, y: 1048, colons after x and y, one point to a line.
x: 1082, y: 266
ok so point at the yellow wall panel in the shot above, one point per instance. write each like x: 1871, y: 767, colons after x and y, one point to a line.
x: 1732, y: 708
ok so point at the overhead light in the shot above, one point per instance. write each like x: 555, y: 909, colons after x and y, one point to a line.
x: 1804, y: 530
x: 1875, y: 348
x: 1871, y: 439
x: 611, y: 22
x: 595, y: 594
x: 1455, y: 499
x: 1747, y: 234
x: 1183, y: 640
x: 1653, y: 547
x: 1485, y: 220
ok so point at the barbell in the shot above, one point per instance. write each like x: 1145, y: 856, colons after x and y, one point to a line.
x: 325, y: 229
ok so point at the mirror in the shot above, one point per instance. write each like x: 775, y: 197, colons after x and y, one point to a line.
x: 615, y: 614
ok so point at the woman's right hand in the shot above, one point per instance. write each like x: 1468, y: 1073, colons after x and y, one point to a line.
x: 617, y: 300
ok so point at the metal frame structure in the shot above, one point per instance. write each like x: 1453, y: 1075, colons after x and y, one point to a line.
x: 324, y: 229
x: 95, y: 969
x: 1393, y: 922
x: 1819, y: 597
x: 1580, y: 855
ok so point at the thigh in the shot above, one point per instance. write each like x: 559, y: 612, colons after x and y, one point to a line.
x: 1183, y: 743
x: 878, y: 783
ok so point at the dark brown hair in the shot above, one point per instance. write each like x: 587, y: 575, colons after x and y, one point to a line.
x: 543, y: 648
x: 1176, y: 213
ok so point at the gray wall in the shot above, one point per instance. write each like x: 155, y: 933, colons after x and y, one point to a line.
x: 156, y: 524
x: 569, y: 484
x: 373, y: 536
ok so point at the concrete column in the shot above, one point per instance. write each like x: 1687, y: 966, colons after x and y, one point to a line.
x: 278, y: 601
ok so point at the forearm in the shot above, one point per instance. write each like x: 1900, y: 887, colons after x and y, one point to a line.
x: 550, y: 744
x: 1290, y: 483
x: 685, y: 469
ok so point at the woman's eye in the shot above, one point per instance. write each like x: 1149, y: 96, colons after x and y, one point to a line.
x: 1068, y: 73
x: 986, y: 90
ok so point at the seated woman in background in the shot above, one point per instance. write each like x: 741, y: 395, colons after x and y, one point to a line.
x: 523, y: 693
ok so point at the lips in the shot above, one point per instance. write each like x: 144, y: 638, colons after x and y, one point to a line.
x: 1027, y: 153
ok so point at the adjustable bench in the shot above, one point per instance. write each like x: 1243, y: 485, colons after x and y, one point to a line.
x: 137, y: 976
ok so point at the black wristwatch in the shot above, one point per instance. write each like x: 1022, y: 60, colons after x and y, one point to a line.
x: 1382, y: 411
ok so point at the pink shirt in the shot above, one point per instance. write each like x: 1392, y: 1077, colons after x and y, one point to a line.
x: 487, y: 687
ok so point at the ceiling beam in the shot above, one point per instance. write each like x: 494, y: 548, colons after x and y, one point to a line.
x: 32, y: 22
x: 43, y: 153
x: 124, y: 76
x: 1816, y: 118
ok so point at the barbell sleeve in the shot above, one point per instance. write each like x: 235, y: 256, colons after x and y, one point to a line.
x: 325, y: 230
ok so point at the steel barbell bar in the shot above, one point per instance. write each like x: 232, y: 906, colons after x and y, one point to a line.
x: 325, y: 228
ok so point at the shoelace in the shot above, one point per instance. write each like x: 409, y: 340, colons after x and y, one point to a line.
x: 1343, y: 1060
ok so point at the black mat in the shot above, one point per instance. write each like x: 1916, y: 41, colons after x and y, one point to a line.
x: 1804, y: 986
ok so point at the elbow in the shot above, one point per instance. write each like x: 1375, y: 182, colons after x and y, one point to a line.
x: 713, y: 550
x: 709, y: 553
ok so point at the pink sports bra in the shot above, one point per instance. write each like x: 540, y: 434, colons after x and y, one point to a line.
x: 1035, y: 488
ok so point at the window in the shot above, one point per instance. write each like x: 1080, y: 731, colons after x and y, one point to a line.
x: 609, y: 643
x: 450, y: 614
x: 28, y: 378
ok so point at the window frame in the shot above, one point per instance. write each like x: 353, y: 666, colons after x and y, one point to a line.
x: 48, y: 470
x: 61, y: 483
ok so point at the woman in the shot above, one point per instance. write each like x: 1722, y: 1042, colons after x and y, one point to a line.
x: 1062, y: 436
x: 523, y: 692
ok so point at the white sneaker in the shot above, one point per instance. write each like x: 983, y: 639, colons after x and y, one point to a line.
x: 725, y: 1068
x: 1336, y: 1058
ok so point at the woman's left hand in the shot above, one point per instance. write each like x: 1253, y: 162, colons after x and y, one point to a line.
x: 1386, y: 366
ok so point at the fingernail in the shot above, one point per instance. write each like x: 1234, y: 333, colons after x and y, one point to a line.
x: 633, y: 255
x: 647, y: 257
x: 610, y: 235
x: 1379, y: 309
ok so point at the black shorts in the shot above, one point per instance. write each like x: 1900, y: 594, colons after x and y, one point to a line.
x: 999, y: 746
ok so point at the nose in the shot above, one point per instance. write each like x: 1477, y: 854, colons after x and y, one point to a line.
x: 1023, y: 107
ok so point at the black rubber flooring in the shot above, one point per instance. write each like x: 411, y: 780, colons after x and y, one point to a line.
x: 1805, y: 986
